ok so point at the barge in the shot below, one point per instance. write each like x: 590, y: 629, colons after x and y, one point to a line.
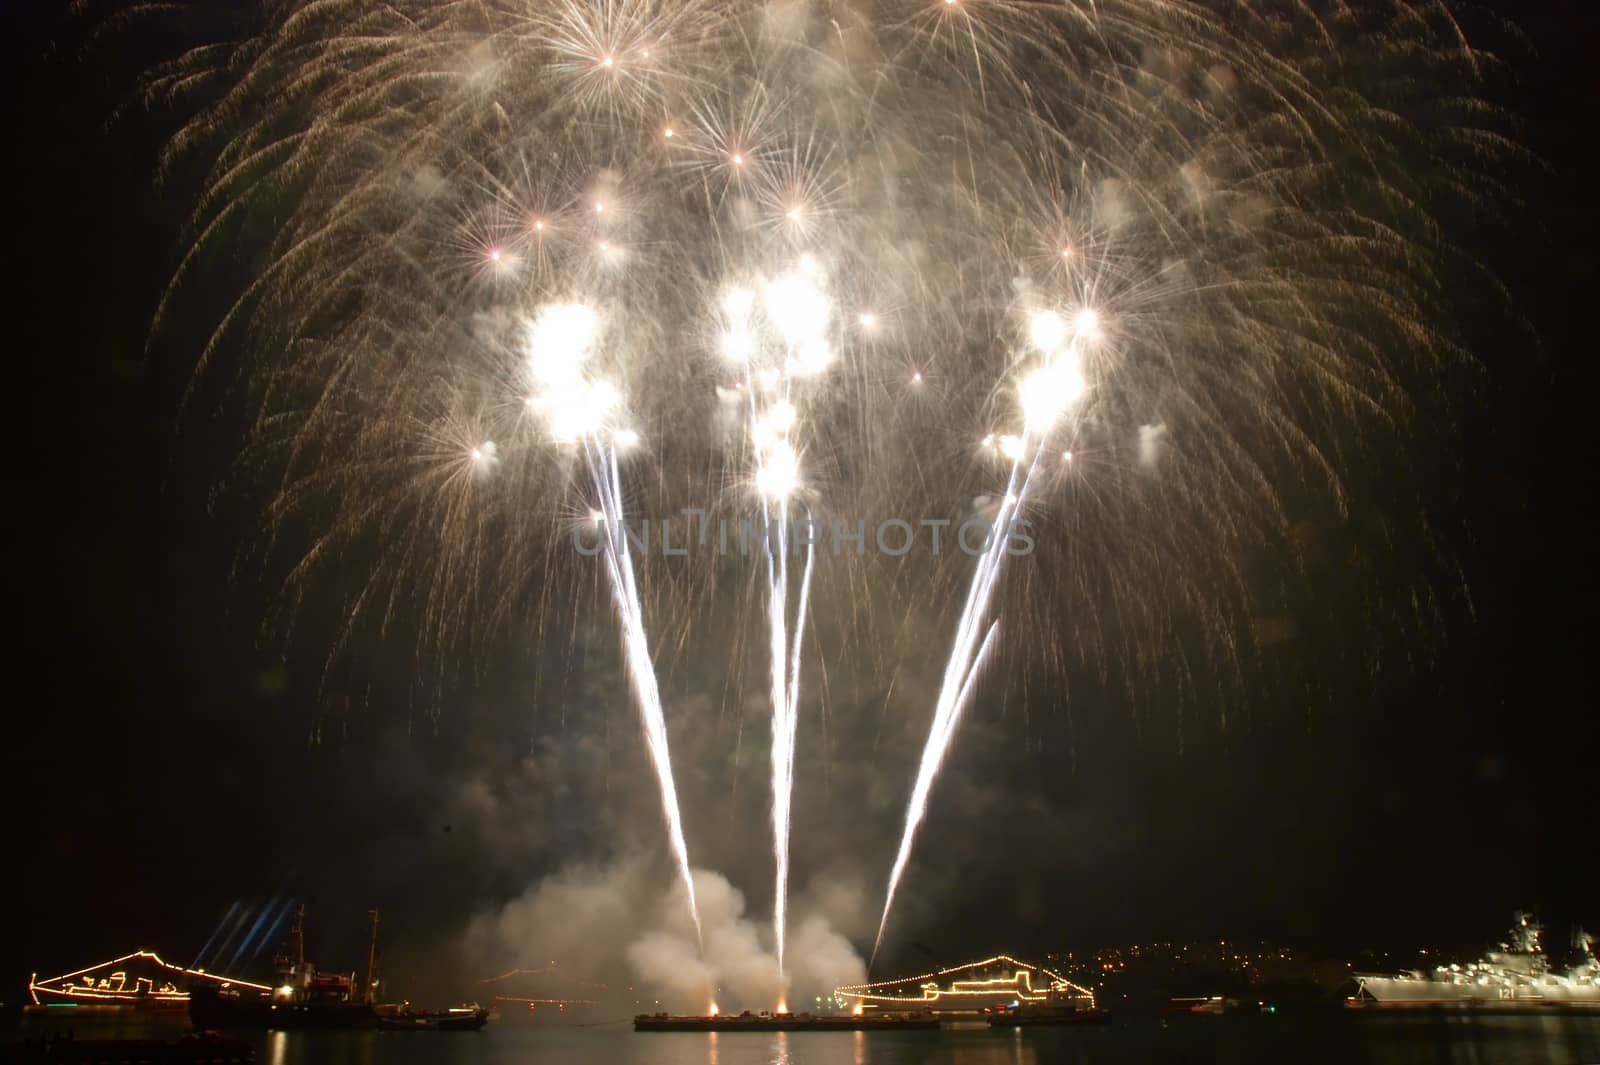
x: 785, y: 1022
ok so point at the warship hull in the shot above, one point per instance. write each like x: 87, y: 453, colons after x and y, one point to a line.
x: 1517, y: 978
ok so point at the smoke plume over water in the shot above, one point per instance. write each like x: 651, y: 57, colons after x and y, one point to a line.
x: 590, y: 926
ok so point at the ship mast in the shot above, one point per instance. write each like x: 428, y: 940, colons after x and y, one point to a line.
x: 372, y: 958
x: 291, y: 960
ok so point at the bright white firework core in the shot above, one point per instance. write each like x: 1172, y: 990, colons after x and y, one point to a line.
x: 1047, y: 331
x: 798, y: 309
x: 580, y: 409
x: 1047, y: 393
x: 738, y: 302
x: 814, y: 357
x: 558, y: 341
x: 779, y: 472
x: 738, y: 345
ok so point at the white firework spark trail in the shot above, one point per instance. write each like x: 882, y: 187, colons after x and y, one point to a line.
x: 580, y: 407
x: 1046, y: 394
x: 785, y: 694
x: 625, y: 593
x: 796, y: 312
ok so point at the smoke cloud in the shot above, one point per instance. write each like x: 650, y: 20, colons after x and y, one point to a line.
x: 1151, y: 439
x: 585, y: 928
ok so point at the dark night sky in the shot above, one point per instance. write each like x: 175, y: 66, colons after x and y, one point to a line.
x: 160, y: 755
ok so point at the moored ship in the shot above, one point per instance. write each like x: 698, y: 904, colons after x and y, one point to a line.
x: 1515, y: 978
x: 137, y: 981
x: 302, y: 998
x: 305, y: 998
x: 993, y: 983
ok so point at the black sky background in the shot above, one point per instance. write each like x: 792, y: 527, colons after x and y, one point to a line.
x: 164, y: 762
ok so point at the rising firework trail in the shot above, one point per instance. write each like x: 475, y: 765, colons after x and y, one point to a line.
x: 580, y: 409
x: 1046, y: 394
x: 776, y: 360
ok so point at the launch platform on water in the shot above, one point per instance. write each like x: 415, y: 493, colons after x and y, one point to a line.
x: 784, y: 1022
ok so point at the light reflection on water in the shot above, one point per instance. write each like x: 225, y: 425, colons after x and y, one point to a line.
x: 1333, y: 1038
x: 1325, y: 1039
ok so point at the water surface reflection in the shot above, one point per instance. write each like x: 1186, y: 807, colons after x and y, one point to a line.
x: 1331, y: 1038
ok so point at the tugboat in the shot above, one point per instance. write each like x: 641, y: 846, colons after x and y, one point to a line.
x: 302, y: 998
x: 307, y: 998
x: 1515, y: 978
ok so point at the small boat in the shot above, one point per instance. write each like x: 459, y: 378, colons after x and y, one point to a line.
x: 1025, y: 1015
x: 1207, y: 1005
x: 455, y: 1019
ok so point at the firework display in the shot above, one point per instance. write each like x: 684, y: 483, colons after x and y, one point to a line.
x: 1103, y: 280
